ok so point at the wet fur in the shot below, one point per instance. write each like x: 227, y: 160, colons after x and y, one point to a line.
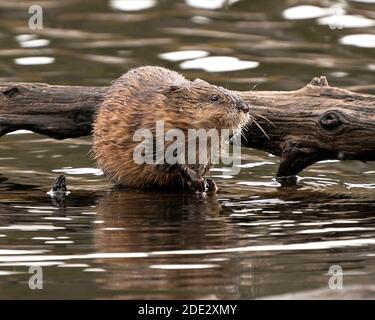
x: 137, y: 100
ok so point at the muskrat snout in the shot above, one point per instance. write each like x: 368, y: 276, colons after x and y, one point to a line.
x: 242, y: 105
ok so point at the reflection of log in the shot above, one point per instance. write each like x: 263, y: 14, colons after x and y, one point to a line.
x: 317, y: 122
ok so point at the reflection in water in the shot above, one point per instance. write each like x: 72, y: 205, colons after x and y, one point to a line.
x: 178, y: 222
x: 252, y: 239
x: 183, y: 55
x: 359, y: 40
x: 131, y: 5
x: 34, y: 60
x: 211, y: 4
x: 231, y: 245
x: 219, y: 64
x: 340, y: 21
x: 305, y: 12
x: 130, y: 244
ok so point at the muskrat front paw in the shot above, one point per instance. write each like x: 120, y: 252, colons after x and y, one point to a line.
x: 211, y: 185
x: 203, y: 185
x: 198, y: 184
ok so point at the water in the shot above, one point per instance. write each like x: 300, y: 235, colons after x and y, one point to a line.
x: 253, y: 239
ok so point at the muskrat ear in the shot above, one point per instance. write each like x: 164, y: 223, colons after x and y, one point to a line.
x: 171, y: 89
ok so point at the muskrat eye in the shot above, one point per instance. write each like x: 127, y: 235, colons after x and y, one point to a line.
x: 214, y: 97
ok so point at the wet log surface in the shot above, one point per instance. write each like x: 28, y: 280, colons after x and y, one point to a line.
x: 59, y: 112
x: 317, y: 122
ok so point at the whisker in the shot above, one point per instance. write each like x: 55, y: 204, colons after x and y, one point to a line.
x: 237, y: 134
x: 263, y: 117
x: 261, y: 129
x: 242, y: 135
x: 255, y: 85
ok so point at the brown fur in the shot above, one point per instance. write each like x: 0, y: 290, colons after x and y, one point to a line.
x: 137, y: 100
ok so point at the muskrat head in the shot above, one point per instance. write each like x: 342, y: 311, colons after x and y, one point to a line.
x: 208, y: 106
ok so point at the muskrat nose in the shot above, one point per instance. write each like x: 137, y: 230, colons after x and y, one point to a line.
x: 241, y: 105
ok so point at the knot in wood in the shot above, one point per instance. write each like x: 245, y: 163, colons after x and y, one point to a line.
x: 330, y: 121
x: 11, y: 92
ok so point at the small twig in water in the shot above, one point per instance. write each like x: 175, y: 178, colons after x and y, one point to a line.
x: 60, y: 184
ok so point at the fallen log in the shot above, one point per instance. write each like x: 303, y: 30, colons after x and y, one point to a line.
x: 59, y: 112
x: 317, y: 122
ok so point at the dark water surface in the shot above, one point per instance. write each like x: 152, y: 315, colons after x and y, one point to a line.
x: 253, y: 238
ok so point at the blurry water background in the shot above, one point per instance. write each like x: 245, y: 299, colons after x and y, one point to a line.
x: 252, y: 239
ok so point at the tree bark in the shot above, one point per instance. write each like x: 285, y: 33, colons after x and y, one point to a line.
x: 59, y: 112
x: 317, y: 122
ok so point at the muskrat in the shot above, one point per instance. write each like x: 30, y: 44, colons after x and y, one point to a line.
x: 148, y: 94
